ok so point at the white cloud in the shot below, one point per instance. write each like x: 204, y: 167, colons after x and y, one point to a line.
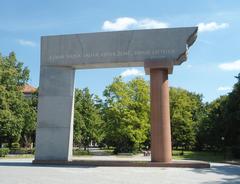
x: 151, y: 24
x: 231, y: 66
x: 26, y: 43
x: 125, y: 23
x: 224, y: 88
x: 211, y: 26
x: 119, y: 24
x: 132, y: 72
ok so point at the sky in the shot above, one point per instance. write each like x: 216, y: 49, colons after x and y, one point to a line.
x: 212, y: 63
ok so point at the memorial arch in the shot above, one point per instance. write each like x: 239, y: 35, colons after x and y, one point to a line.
x: 157, y: 50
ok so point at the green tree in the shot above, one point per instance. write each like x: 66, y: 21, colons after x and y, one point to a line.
x: 186, y: 111
x: 212, y: 127
x: 12, y: 104
x: 220, y: 128
x: 126, y: 114
x: 87, y: 119
x: 232, y: 119
x: 30, y: 119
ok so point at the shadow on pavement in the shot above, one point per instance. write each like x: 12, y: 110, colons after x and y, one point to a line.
x: 225, y: 170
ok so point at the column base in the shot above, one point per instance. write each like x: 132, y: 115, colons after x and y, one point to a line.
x: 114, y: 163
x: 54, y: 162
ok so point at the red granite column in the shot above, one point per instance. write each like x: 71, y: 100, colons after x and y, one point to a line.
x: 161, y: 148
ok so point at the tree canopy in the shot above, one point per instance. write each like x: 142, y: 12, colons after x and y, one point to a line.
x: 14, y: 108
x: 126, y: 114
x: 220, y: 128
x: 186, y: 111
x: 87, y: 119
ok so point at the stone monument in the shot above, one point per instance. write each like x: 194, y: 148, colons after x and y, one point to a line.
x: 157, y: 50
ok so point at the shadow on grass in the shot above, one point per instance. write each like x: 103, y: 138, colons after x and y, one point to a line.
x: 203, y: 156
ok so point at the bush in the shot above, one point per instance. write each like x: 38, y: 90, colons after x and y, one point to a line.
x: 22, y: 151
x: 79, y: 152
x: 15, y: 145
x: 4, y: 152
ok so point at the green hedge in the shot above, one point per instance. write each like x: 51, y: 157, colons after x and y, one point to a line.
x: 15, y: 145
x: 79, y: 152
x: 4, y: 152
x: 22, y: 151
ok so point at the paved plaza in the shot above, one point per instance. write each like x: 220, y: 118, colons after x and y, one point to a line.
x: 21, y: 171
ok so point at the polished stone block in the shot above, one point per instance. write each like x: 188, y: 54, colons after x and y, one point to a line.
x: 117, y: 49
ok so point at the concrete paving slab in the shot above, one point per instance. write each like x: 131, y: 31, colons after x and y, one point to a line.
x: 22, y: 171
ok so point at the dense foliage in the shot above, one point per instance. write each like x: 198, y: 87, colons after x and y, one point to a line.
x: 4, y: 152
x: 126, y: 114
x: 17, y: 118
x: 87, y: 119
x: 220, y: 128
x: 186, y: 112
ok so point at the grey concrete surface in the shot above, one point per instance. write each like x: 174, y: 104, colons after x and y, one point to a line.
x: 21, y: 171
x: 55, y: 114
x: 117, y: 49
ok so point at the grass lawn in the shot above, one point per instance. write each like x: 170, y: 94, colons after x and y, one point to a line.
x: 188, y: 155
x: 194, y: 155
x: 16, y: 156
x: 79, y: 152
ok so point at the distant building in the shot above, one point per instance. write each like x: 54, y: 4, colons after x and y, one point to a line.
x: 28, y: 90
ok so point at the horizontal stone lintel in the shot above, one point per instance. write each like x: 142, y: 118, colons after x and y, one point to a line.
x: 117, y: 49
